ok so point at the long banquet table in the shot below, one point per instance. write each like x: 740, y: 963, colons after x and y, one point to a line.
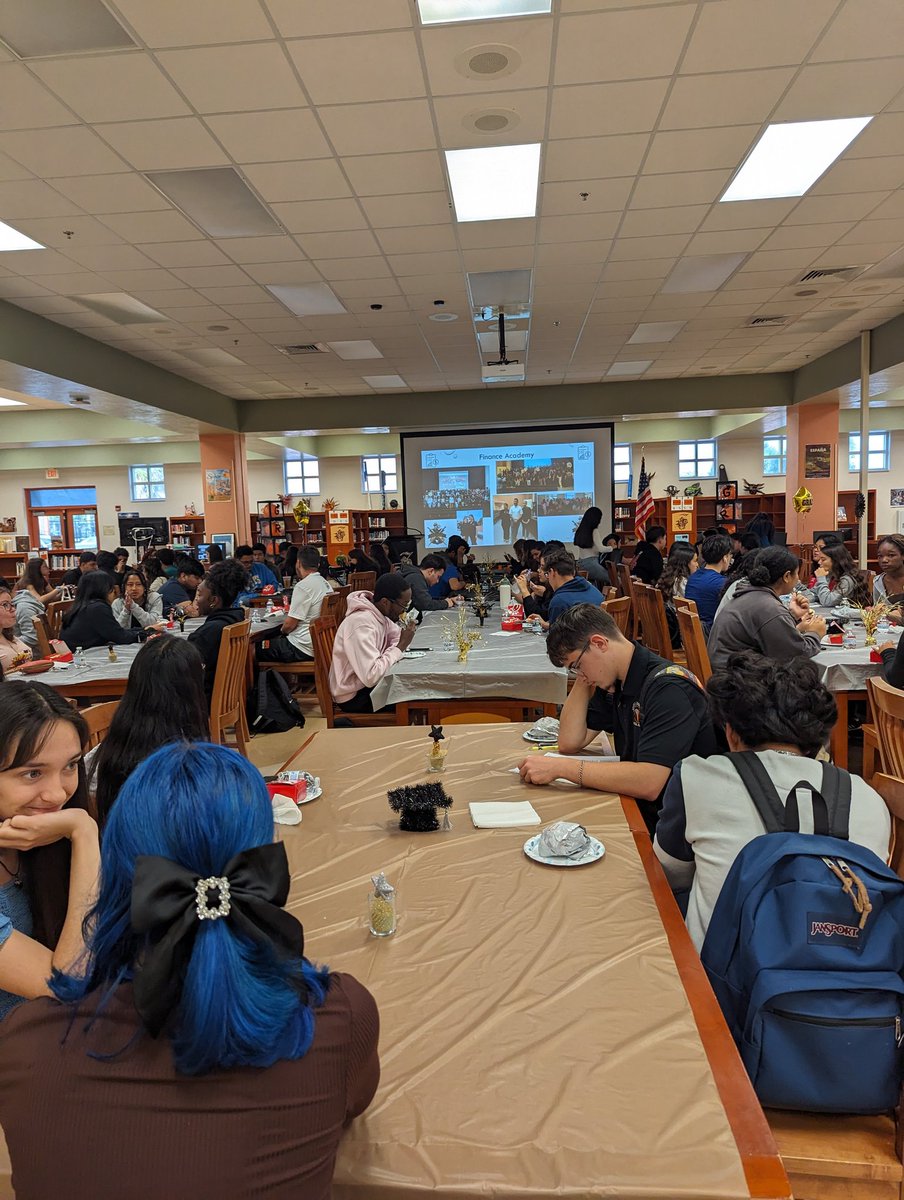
x: 845, y: 670
x: 536, y: 1038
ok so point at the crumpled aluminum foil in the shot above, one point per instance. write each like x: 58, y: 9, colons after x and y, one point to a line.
x: 545, y: 727
x: 563, y: 839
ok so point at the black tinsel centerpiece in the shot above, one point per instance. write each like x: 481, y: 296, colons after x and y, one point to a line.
x: 417, y: 805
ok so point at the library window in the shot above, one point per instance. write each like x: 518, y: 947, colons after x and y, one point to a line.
x: 878, y: 452
x: 696, y: 460
x: 621, y: 463
x: 147, y: 482
x: 379, y: 473
x: 303, y: 476
x: 775, y: 456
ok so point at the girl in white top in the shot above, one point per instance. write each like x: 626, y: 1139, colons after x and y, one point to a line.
x: 13, y: 651
x: 137, y: 608
x: 590, y: 544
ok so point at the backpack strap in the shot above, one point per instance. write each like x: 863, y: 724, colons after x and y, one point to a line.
x: 836, y: 790
x: 776, y: 817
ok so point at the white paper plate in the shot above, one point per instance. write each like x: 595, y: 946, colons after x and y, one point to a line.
x: 413, y: 653
x: 593, y: 853
x: 314, y: 789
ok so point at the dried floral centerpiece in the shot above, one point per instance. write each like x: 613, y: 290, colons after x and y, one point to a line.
x: 457, y: 630
x: 872, y: 615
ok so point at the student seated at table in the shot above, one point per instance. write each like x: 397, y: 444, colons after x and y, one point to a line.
x: 656, y: 711
x: 48, y: 842
x: 649, y: 563
x: 590, y: 545
x: 164, y: 702
x: 254, y: 560
x: 217, y: 602
x: 369, y: 641
x: 380, y: 558
x: 360, y: 561
x: 705, y: 586
x: 87, y: 561
x: 452, y: 581
x: 680, y: 565
x: 13, y: 650
x: 90, y: 621
x: 836, y: 579
x: 31, y: 596
x: 195, y: 1051
x: 756, y: 619
x: 568, y: 588
x: 159, y: 567
x: 181, y: 590
x: 293, y: 643
x: 893, y: 662
x: 785, y: 714
x: 889, y: 583
x: 136, y: 607
x: 422, y: 578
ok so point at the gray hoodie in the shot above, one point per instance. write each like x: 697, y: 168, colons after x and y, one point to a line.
x: 27, y: 606
x: 420, y: 592
x: 755, y: 619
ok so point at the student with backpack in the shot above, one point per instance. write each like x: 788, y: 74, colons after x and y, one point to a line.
x: 799, y: 921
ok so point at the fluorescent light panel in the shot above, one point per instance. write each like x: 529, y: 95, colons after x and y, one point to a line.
x: 443, y: 12
x: 5, y: 402
x: 656, y: 331
x: 217, y: 199
x: 494, y: 183
x: 789, y: 158
x: 630, y: 368
x: 60, y: 27
x: 501, y: 289
x: 382, y: 381
x: 359, y: 349
x: 12, y: 239
x: 121, y: 308
x: 701, y: 273
x: 308, y: 300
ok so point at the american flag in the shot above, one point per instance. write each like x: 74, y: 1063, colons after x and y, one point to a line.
x: 644, y: 508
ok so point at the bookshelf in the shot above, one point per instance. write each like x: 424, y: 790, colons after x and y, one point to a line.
x: 623, y: 519
x: 377, y: 524
x: 270, y: 526
x: 12, y: 564
x: 367, y: 526
x: 187, y: 532
x: 60, y: 561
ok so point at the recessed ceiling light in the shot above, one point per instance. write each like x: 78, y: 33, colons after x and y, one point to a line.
x: 656, y: 331
x: 60, y: 27
x: 12, y: 239
x: 630, y: 368
x: 217, y: 199
x: 308, y: 300
x: 375, y: 428
x: 359, y: 349
x: 121, y: 308
x: 440, y: 12
x: 789, y: 158
x: 5, y: 402
x: 443, y: 316
x: 702, y: 273
x: 494, y: 183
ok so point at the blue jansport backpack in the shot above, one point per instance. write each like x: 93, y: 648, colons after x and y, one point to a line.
x: 805, y: 952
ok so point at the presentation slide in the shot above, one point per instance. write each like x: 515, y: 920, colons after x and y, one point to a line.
x: 494, y: 486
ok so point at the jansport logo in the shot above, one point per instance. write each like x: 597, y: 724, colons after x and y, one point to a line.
x: 830, y: 928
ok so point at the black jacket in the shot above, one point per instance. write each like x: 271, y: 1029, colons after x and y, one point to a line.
x: 648, y: 564
x: 420, y: 592
x: 893, y: 665
x: 95, y: 625
x: 206, y: 640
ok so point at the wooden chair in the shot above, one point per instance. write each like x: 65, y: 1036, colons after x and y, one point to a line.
x: 476, y: 718
x: 43, y: 635
x: 891, y: 789
x: 694, y: 643
x: 362, y: 581
x: 609, y: 593
x: 584, y: 574
x: 888, y: 717
x: 653, y: 620
x: 293, y: 668
x: 99, y: 718
x: 55, y: 613
x: 230, y: 686
x: 613, y: 574
x: 619, y: 610
x: 831, y: 1157
x: 626, y: 583
x: 681, y: 602
x: 344, y: 593
x: 323, y: 637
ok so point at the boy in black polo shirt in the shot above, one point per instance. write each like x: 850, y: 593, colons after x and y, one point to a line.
x: 656, y: 711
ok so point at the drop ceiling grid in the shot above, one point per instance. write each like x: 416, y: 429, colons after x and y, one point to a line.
x: 108, y: 253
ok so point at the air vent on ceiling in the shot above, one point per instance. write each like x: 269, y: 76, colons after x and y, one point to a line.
x: 766, y: 322
x: 308, y: 348
x: 830, y: 274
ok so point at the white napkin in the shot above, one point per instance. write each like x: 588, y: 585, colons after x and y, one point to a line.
x: 285, y: 811
x: 503, y: 814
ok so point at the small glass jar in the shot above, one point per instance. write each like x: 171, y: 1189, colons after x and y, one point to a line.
x: 381, y: 913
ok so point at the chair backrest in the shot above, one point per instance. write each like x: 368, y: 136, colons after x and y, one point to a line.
x: 323, y: 636
x: 609, y: 593
x: 626, y: 583
x: 681, y: 602
x: 891, y: 789
x: 227, y: 704
x: 476, y: 718
x: 694, y: 643
x: 43, y: 635
x: 653, y: 620
x: 56, y: 610
x: 362, y: 581
x: 888, y: 714
x: 344, y: 593
x: 583, y: 573
x: 613, y: 574
x: 331, y: 606
x: 99, y: 718
x: 619, y: 609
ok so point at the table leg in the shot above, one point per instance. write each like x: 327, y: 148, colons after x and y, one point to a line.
x: 839, y: 742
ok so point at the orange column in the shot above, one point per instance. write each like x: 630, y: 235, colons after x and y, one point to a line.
x: 813, y: 464
x: 224, y: 485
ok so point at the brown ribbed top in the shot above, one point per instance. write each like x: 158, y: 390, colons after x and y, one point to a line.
x: 131, y: 1128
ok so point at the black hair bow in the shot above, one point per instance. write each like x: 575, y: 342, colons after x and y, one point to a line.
x: 169, y: 902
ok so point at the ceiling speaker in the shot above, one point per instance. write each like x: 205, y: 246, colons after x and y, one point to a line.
x: 488, y: 61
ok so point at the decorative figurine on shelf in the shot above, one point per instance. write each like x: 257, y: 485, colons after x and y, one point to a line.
x: 417, y: 806
x: 436, y: 759
x: 754, y: 489
x: 190, y: 510
x: 671, y: 490
x: 111, y: 653
x: 329, y: 504
x: 302, y: 512
x: 693, y: 489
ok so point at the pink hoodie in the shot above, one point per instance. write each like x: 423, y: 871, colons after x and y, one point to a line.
x: 366, y: 647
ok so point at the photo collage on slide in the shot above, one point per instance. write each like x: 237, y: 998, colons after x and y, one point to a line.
x: 495, y: 495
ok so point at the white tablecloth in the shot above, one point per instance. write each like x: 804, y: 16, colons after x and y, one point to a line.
x: 846, y: 669
x: 512, y: 666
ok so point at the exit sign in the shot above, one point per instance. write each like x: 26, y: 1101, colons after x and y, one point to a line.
x: 51, y: 473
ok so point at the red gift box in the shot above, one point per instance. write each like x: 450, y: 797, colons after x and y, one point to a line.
x: 269, y: 590
x: 836, y: 639
x: 875, y: 656
x: 293, y: 791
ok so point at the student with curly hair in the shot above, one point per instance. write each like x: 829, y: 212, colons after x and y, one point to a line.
x: 785, y: 714
x: 217, y: 600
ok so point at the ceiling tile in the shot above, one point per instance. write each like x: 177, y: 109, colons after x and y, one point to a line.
x: 127, y: 192
x: 729, y: 241
x: 806, y: 235
x: 270, y: 136
x: 864, y: 29
x: 525, y: 112
x: 375, y: 290
x: 37, y: 262
x: 236, y: 295
x: 604, y: 45
x: 317, y: 17
x: 155, y: 279
x: 235, y: 78
x: 646, y: 222
x: 391, y: 174
x: 334, y: 269
x: 604, y: 195
x: 702, y: 101
x: 76, y: 283
x: 815, y: 209
x: 424, y: 264
x: 283, y: 273
x: 32, y: 198
x: 374, y: 66
x: 319, y: 216
x: 682, y: 187
x: 504, y: 258
x: 109, y: 258
x: 592, y: 109
x: 699, y: 149
x: 883, y: 136
x: 861, y: 175
x: 163, y: 145
x: 26, y: 104
x: 205, y: 277
x: 582, y: 225
x: 130, y: 85
x: 416, y: 239
x: 151, y: 227
x: 841, y: 89
x: 51, y: 231
x: 582, y: 159
x: 393, y: 126
x: 563, y: 253
x: 74, y: 150
x: 428, y: 208
x: 186, y: 254
x: 735, y: 34
x: 317, y: 179
x: 476, y: 235
x: 447, y: 49
x: 348, y: 244
x: 260, y: 249
x: 636, y: 249
x: 891, y: 230
x: 749, y: 214
x: 175, y: 23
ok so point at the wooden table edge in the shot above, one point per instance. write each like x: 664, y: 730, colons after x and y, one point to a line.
x: 763, y: 1168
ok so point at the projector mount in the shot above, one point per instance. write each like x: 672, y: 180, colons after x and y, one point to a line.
x: 503, y: 360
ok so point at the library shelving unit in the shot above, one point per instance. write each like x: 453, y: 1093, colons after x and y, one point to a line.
x: 270, y: 525
x: 187, y: 532
x: 12, y: 564
x: 377, y: 524
x: 623, y: 519
x: 61, y: 561
x: 367, y: 526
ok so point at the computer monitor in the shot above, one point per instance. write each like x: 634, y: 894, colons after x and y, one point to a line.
x: 780, y: 538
